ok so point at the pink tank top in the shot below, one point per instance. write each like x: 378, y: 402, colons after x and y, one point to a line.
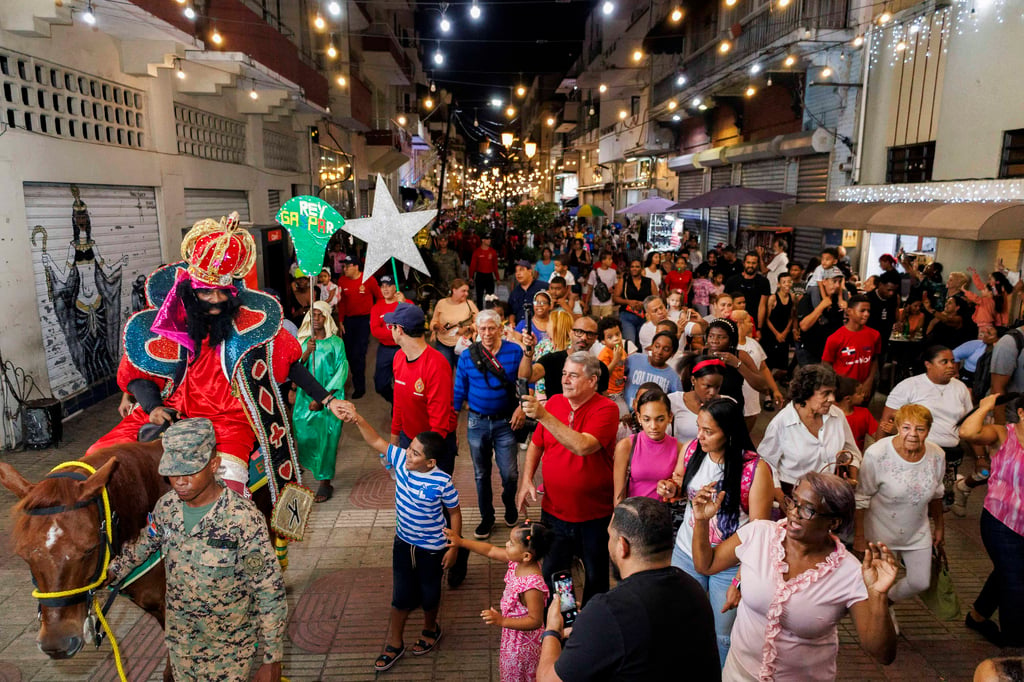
x: 652, y: 461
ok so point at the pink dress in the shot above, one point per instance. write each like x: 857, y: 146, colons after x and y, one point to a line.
x: 786, y: 630
x: 520, y: 649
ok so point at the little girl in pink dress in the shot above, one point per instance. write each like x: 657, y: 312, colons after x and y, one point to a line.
x: 522, y: 605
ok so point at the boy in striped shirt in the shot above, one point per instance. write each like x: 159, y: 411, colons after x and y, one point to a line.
x: 420, y: 552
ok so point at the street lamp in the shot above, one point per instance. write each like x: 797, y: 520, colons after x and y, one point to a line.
x: 530, y: 148
x: 506, y: 140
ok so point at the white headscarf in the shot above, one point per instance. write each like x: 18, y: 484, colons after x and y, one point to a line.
x: 330, y: 328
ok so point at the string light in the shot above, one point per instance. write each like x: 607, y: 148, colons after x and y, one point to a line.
x: 433, y: 88
x: 638, y: 55
x: 402, y: 120
x: 608, y: 7
x: 730, y: 3
x: 602, y: 88
x: 511, y: 111
x: 672, y: 105
x: 319, y: 23
x: 681, y: 80
x: 438, y: 58
x: 445, y: 24
x: 783, y: 4
x: 677, y: 15
x: 342, y: 82
x: 750, y: 91
x: 428, y: 103
x: 252, y: 92
x: 858, y: 41
x: 334, y: 8
x: 755, y: 69
x: 623, y: 114
x: 884, y: 18
x: 790, y: 60
x: 677, y: 117
x: 953, y: 192
x: 216, y: 37
x: 826, y: 72
x: 521, y: 91
x: 551, y: 121
x: 724, y: 46
x: 474, y: 10
x: 332, y: 51
x: 189, y: 13
x: 89, y: 16
x: 180, y: 73
x: 697, y: 101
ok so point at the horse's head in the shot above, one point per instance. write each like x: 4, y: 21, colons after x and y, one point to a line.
x: 57, y: 530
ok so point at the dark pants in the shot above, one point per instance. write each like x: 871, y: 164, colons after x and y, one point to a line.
x: 384, y: 374
x: 1004, y: 589
x: 357, y: 340
x: 484, y: 285
x: 448, y: 352
x: 631, y: 323
x: 587, y: 540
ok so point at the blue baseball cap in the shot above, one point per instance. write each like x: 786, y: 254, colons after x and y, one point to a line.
x: 406, y: 316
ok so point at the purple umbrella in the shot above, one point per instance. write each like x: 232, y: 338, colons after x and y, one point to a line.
x: 651, y: 205
x: 733, y: 195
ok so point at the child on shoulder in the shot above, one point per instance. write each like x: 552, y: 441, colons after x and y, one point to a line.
x: 522, y: 605
x: 420, y: 552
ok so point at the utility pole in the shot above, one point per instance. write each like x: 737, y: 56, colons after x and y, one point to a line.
x: 444, y: 162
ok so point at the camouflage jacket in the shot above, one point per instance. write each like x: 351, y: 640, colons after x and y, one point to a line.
x: 219, y: 576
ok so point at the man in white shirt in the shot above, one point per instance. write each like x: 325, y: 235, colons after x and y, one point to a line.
x: 656, y: 312
x: 778, y: 264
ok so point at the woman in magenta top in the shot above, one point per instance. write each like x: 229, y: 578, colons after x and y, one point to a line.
x: 798, y: 583
x: 1002, y: 521
x: 643, y: 459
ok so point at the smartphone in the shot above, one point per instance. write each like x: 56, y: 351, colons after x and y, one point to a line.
x: 522, y: 387
x: 562, y: 582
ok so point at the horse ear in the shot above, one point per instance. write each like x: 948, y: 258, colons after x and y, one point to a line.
x: 91, y: 487
x: 13, y: 481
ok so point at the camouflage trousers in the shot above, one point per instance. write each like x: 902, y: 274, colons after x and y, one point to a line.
x: 216, y: 667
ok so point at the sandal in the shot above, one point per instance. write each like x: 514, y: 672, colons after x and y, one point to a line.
x: 388, y: 658
x: 421, y: 646
x: 324, y: 492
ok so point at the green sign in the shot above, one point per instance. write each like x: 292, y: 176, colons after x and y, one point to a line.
x: 310, y: 221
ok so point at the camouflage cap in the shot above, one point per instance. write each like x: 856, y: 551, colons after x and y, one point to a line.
x: 188, y: 447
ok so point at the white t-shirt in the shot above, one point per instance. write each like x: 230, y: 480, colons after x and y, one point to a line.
x: 896, y: 494
x: 609, y: 277
x: 778, y: 265
x: 709, y: 472
x: 684, y: 422
x: 948, y: 403
x: 570, y: 279
x: 656, y: 275
x: 751, y: 396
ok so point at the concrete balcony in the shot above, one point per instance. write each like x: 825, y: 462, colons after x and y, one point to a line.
x: 387, y: 150
x: 384, y: 60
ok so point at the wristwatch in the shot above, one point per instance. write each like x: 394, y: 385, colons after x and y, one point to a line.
x: 552, y: 633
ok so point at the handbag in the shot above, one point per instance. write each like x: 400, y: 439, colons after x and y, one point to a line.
x: 940, y: 597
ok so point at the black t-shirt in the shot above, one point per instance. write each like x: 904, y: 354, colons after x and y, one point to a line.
x: 883, y: 314
x: 553, y: 364
x: 728, y: 269
x: 813, y: 339
x: 753, y: 288
x: 651, y: 626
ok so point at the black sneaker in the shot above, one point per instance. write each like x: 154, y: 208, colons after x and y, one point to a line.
x: 986, y: 628
x: 483, y: 531
x: 511, y: 518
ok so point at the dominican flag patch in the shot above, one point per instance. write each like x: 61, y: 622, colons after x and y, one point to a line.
x: 151, y: 526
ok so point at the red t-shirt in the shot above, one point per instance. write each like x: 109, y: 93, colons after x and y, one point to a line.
x: 423, y: 394
x: 485, y: 261
x: 861, y: 423
x: 679, y: 281
x: 850, y: 353
x: 578, y: 489
x: 357, y: 297
x: 380, y: 330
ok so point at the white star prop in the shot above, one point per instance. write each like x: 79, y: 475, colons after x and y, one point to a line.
x: 388, y: 233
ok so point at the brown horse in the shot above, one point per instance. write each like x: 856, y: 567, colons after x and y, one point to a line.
x: 63, y: 541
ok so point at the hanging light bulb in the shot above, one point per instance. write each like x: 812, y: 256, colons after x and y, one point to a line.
x: 428, y: 103
x: 638, y: 55
x: 676, y: 117
x: 521, y: 91
x: 474, y: 10
x: 724, y: 46
x: 334, y: 8
x: 783, y: 3
x: 672, y: 105
x: 332, y: 51
x: 608, y: 7
x: 858, y: 41
x: 681, y: 80
x: 510, y: 112
x: 319, y: 23
x: 550, y: 121
x: 180, y: 74
x: 755, y: 69
x: 190, y: 13
x: 402, y: 120
x: 342, y: 81
x: 826, y: 72
x: 438, y: 58
x: 730, y: 3
x: 88, y: 16
x: 677, y: 15
x: 885, y: 17
x: 623, y: 114
x: 445, y: 24
x: 750, y: 91
x: 790, y: 60
x: 433, y: 88
x: 697, y: 101
x: 602, y: 88
x: 216, y: 37
x: 901, y: 46
x: 252, y: 91
x: 591, y: 111
x: 769, y: 83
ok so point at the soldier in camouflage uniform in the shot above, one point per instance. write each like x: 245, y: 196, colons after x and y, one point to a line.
x: 221, y: 569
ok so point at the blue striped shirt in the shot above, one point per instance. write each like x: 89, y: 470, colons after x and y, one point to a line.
x: 418, y: 499
x: 486, y: 393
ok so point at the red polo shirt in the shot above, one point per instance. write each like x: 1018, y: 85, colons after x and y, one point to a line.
x: 380, y: 330
x: 485, y: 261
x: 357, y: 297
x: 578, y: 489
x: 424, y: 391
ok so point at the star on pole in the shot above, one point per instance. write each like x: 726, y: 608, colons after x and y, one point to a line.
x: 388, y: 233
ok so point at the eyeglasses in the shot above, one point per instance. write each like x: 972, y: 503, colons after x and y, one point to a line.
x: 583, y: 332
x: 804, y: 511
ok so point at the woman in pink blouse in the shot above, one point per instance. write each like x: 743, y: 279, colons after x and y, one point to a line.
x: 798, y: 582
x: 1002, y: 521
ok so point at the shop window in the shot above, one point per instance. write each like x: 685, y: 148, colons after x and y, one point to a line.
x: 1011, y: 163
x: 910, y: 163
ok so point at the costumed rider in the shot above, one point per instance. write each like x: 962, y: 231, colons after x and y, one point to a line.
x: 211, y: 347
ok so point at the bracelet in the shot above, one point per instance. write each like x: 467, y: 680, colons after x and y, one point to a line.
x: 551, y: 633
x: 328, y: 399
x: 736, y: 582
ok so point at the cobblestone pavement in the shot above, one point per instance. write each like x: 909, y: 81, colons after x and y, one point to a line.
x: 339, y: 586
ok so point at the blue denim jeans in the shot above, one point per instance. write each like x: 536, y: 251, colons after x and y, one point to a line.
x: 631, y: 323
x: 493, y: 436
x: 587, y: 540
x: 716, y: 586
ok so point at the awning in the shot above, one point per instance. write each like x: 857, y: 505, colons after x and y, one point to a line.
x: 966, y: 220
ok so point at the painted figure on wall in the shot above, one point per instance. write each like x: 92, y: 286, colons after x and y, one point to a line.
x: 86, y: 298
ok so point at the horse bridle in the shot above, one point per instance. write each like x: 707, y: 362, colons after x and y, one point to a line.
x: 79, y: 595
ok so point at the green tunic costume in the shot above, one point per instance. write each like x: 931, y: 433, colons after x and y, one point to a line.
x: 317, y: 433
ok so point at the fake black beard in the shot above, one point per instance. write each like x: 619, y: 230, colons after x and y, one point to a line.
x: 202, y: 325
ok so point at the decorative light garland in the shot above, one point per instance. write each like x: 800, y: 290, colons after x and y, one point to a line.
x: 952, y: 192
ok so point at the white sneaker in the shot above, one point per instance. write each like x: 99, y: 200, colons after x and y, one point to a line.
x: 960, y: 494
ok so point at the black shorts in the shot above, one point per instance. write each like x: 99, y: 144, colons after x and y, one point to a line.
x: 416, y: 576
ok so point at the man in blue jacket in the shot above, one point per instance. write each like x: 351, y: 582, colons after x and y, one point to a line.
x: 485, y: 377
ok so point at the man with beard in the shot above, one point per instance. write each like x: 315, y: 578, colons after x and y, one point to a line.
x: 215, y: 349
x: 754, y: 285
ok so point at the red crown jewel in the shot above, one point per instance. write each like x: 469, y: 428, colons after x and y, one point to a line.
x: 218, y: 251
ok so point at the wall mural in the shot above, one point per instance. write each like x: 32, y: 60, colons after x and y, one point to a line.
x: 92, y: 247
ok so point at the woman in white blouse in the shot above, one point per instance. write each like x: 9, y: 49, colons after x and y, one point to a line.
x: 899, y: 486
x: 809, y: 433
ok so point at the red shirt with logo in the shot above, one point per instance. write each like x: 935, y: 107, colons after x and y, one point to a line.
x: 578, y: 489
x: 424, y: 390
x: 357, y: 297
x: 850, y: 353
x: 485, y: 261
x: 380, y: 330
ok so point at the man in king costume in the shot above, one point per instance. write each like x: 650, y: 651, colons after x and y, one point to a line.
x: 208, y: 346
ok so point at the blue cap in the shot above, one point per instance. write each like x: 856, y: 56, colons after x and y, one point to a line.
x: 387, y: 279
x: 406, y: 316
